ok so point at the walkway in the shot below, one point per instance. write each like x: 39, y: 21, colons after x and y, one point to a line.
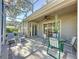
x: 32, y: 48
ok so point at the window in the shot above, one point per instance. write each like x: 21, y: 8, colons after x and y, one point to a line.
x: 50, y: 30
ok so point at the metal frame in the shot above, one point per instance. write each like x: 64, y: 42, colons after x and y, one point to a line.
x: 59, y: 48
x: 59, y: 40
x: 28, y: 1
x: 25, y: 16
x: 2, y: 20
x: 28, y: 9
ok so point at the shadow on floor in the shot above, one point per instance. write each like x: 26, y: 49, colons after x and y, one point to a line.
x: 30, y: 49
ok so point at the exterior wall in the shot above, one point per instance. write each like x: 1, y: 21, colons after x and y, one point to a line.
x: 68, y: 19
x: 68, y: 25
x: 40, y: 28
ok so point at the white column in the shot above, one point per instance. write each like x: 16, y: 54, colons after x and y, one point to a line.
x: 31, y: 29
x: 0, y: 23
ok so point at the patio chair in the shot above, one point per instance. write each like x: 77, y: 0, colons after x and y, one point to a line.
x: 75, y: 45
x: 71, y: 43
x: 10, y: 38
x: 21, y: 37
x: 55, y: 47
x: 69, y: 47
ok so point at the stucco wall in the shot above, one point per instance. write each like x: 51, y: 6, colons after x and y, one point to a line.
x: 68, y: 25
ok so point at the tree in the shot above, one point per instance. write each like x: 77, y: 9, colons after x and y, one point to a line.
x: 16, y: 7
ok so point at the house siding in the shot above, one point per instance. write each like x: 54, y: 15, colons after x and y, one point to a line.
x: 68, y: 25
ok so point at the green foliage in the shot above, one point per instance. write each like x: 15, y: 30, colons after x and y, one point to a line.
x: 15, y: 34
x: 9, y: 30
x: 57, y: 26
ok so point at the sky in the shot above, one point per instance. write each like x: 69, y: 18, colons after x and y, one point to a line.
x: 36, y: 6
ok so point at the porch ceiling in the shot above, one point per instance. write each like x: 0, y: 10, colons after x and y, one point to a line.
x: 51, y: 8
x: 68, y: 9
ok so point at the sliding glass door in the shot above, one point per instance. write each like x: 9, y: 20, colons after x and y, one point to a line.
x: 49, y: 28
x: 34, y: 30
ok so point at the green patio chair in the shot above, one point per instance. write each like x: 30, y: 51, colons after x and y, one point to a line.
x: 55, y: 47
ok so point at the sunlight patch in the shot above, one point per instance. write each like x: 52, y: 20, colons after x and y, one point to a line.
x: 44, y: 52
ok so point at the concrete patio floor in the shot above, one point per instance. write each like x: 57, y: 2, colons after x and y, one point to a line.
x: 30, y: 49
x: 33, y: 48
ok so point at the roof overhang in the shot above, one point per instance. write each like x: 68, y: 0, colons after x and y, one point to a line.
x: 51, y: 7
